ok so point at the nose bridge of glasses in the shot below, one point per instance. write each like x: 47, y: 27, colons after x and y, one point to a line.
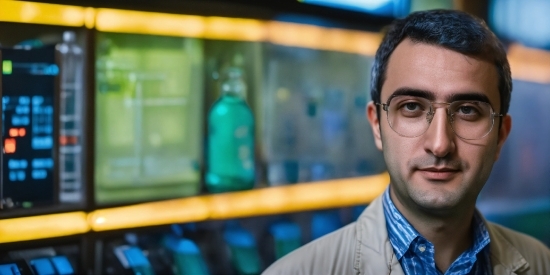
x: 436, y: 105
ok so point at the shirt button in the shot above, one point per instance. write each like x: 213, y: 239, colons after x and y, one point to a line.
x: 422, y: 248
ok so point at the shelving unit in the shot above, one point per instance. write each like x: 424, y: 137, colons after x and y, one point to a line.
x: 259, y: 202
x: 263, y: 201
x: 266, y: 201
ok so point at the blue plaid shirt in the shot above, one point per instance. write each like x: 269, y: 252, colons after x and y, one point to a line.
x: 416, y: 254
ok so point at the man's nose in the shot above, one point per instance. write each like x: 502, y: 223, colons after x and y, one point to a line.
x: 439, y: 138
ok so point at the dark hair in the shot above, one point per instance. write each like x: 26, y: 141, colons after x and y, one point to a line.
x: 451, y: 29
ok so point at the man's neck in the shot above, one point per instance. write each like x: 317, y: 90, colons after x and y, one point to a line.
x: 451, y: 235
x: 450, y: 239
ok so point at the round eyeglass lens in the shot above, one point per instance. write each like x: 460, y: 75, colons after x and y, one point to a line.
x: 407, y: 115
x: 471, y: 119
x: 410, y: 116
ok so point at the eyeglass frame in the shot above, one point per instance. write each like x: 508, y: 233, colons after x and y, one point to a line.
x: 493, y: 114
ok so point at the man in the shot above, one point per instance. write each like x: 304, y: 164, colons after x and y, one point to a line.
x: 441, y: 91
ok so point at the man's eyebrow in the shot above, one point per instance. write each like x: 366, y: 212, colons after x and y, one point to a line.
x: 468, y: 96
x: 414, y: 92
x: 431, y: 96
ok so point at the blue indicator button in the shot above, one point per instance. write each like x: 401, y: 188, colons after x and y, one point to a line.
x: 22, y: 109
x: 20, y: 120
x: 24, y: 100
x: 285, y: 231
x: 62, y: 265
x: 238, y: 237
x: 13, y: 164
x: 13, y: 176
x: 17, y: 164
x: 21, y: 175
x: 9, y: 269
x: 42, y: 143
x: 44, y: 69
x: 42, y: 163
x: 39, y: 174
x: 17, y: 175
x: 135, y: 257
x: 43, y: 266
x: 37, y: 100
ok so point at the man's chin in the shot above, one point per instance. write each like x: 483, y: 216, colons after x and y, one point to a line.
x: 436, y: 206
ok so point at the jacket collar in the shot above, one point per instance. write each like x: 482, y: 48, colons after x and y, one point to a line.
x: 505, y: 258
x: 372, y: 234
x: 372, y: 240
x: 373, y: 224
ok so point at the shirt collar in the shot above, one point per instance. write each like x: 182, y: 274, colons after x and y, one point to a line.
x: 402, y: 234
x: 481, y: 234
x: 400, y: 231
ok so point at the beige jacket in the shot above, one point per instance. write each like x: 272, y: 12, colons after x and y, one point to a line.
x: 363, y: 247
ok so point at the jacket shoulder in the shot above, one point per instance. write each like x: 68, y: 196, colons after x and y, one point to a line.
x: 330, y: 254
x: 534, y: 251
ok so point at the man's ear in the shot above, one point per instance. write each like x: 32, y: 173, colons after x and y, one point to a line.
x: 372, y: 116
x: 503, y: 133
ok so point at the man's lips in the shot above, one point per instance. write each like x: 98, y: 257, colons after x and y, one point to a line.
x: 438, y: 173
x: 439, y: 169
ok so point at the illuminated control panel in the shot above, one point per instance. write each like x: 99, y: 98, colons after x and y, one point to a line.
x: 28, y: 128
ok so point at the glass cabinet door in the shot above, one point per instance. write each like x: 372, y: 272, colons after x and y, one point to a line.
x: 148, y: 117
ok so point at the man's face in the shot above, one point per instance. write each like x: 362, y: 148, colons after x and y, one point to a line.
x: 437, y: 172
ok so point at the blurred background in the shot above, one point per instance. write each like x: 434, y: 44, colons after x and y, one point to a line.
x: 214, y: 137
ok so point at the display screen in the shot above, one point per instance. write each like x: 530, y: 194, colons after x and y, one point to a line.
x: 28, y: 85
x: 389, y: 8
x: 148, y: 123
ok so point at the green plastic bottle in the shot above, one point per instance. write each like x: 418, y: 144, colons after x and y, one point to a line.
x: 230, y: 152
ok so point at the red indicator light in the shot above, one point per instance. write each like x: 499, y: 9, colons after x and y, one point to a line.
x: 14, y: 132
x: 9, y: 145
x: 68, y: 140
x: 62, y: 140
x: 73, y: 140
x: 22, y: 132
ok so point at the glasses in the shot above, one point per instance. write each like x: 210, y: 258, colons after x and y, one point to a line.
x: 410, y: 116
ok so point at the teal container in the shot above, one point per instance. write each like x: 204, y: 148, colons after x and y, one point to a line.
x: 230, y: 152
x: 286, y: 236
x: 245, y: 257
x: 187, y: 256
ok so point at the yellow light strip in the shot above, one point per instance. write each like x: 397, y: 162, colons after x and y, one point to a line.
x: 44, y: 226
x: 299, y: 197
x: 267, y: 201
x: 41, y: 13
x: 89, y: 18
x: 308, y: 36
x: 223, y: 28
x: 274, y: 200
x: 111, y: 20
x: 529, y: 64
x: 148, y: 214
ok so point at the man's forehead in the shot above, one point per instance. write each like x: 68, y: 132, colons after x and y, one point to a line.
x: 438, y: 70
x: 420, y: 53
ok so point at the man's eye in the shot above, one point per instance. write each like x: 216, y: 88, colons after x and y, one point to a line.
x: 412, y: 106
x: 470, y: 112
x: 467, y: 110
